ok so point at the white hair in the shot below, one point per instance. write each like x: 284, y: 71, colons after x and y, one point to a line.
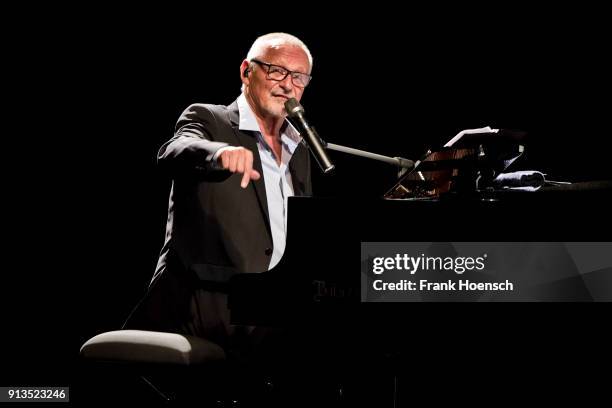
x: 274, y: 40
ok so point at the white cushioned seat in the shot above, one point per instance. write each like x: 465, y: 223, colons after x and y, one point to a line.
x: 151, y: 347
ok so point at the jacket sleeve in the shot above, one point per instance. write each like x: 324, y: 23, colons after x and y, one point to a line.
x: 191, y: 149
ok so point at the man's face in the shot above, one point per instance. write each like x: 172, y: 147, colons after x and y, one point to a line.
x: 268, y: 96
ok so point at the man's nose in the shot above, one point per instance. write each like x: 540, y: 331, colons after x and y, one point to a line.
x: 287, y: 83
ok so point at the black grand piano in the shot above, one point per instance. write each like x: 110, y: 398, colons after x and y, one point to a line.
x: 451, y: 198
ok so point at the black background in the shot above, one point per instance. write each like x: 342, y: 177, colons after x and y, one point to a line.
x: 92, y: 94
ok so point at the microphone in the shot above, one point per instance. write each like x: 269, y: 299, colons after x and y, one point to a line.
x: 295, y: 115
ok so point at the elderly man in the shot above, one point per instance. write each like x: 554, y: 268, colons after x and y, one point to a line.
x: 233, y: 168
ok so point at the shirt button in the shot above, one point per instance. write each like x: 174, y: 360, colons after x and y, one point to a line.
x: 268, y: 251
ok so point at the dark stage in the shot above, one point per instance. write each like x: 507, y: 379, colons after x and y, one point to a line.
x: 93, y: 98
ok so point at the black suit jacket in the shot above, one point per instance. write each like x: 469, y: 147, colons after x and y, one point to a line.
x: 215, y: 228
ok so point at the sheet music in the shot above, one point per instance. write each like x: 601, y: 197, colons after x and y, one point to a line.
x: 459, y: 135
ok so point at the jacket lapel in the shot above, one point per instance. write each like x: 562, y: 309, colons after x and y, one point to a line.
x: 247, y: 140
x: 299, y: 184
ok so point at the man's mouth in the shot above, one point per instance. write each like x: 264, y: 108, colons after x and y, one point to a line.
x: 281, y: 96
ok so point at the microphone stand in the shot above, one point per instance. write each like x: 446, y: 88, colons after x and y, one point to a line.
x: 402, y: 164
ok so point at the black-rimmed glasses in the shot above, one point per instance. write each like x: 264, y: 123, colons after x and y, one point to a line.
x: 278, y: 73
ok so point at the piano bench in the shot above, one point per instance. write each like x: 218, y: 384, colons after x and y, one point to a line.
x: 146, y: 366
x: 140, y: 346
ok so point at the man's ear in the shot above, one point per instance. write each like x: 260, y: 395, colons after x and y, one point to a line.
x: 245, y: 68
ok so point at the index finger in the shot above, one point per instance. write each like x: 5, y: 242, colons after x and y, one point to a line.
x: 248, y: 166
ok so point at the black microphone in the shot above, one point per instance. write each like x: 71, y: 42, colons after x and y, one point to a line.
x: 295, y: 115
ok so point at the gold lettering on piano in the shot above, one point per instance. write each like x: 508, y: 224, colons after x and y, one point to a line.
x: 327, y: 290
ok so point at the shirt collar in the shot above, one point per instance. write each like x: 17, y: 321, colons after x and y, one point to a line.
x: 247, y: 121
x: 246, y: 116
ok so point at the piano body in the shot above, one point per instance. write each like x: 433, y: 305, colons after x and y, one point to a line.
x: 318, y: 283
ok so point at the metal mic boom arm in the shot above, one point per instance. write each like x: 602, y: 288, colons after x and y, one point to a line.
x: 400, y: 162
